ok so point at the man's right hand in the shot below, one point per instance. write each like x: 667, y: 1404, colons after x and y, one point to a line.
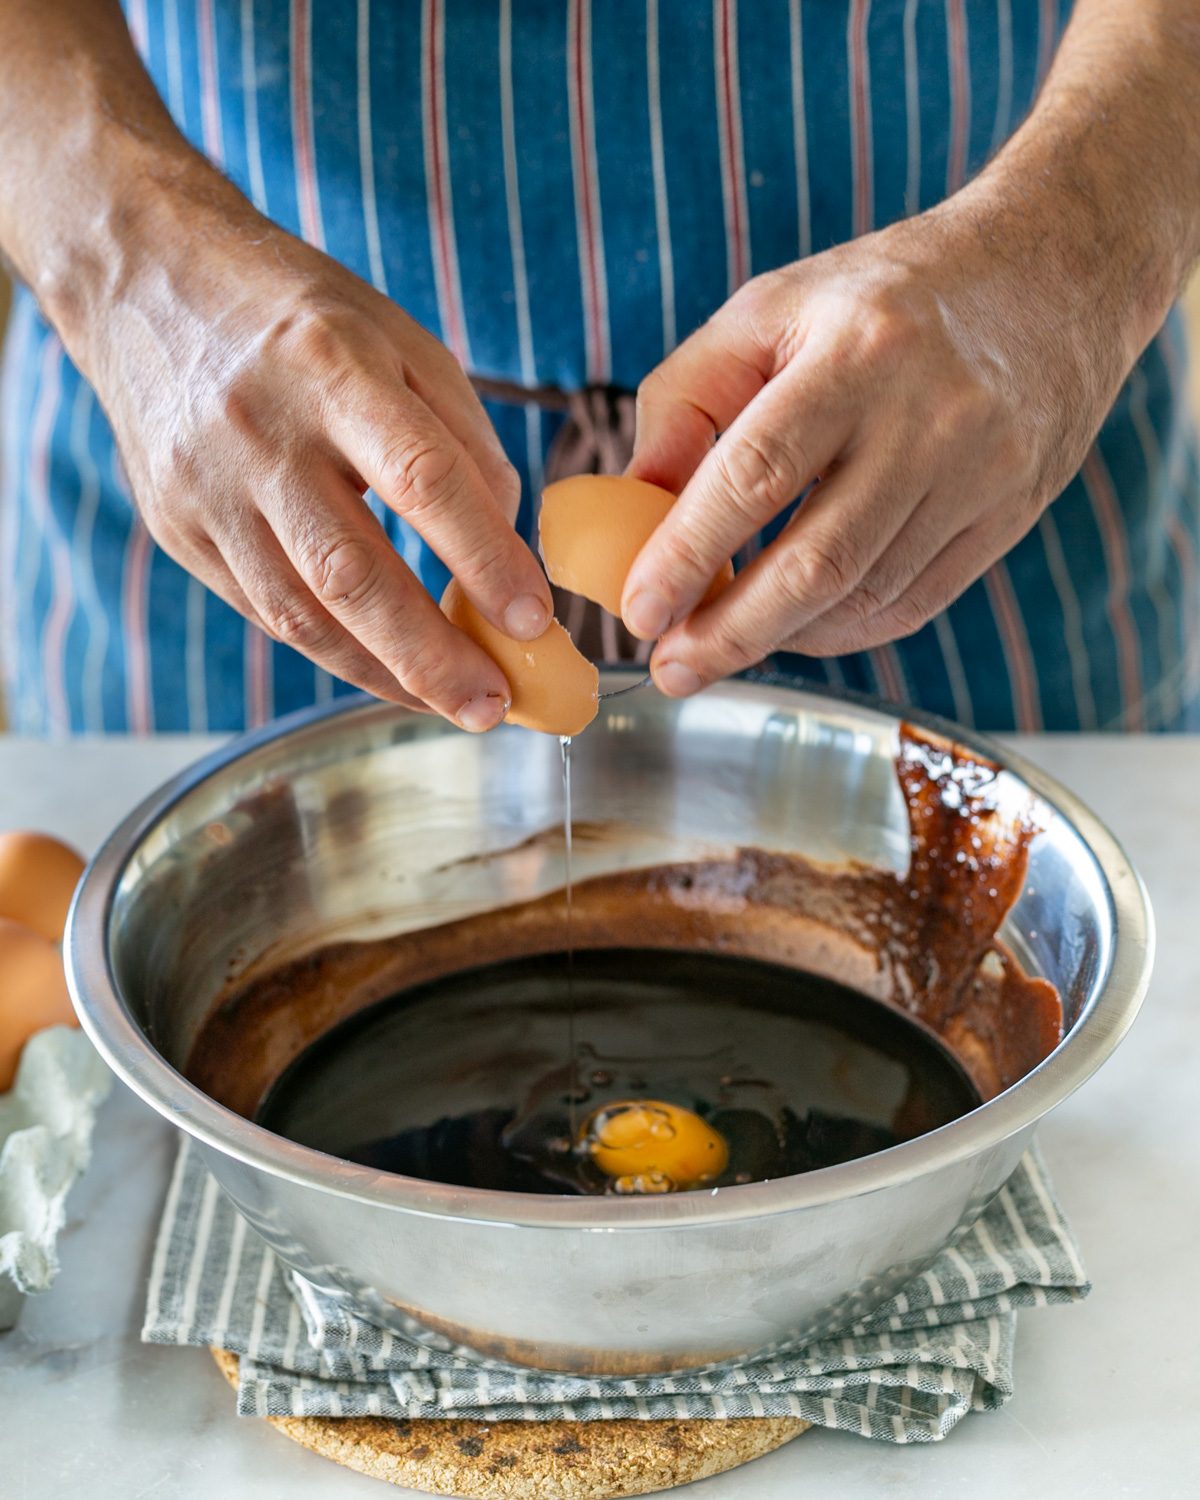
x: 257, y: 388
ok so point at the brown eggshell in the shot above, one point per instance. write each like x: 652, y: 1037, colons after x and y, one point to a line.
x: 592, y: 528
x: 33, y: 993
x: 38, y: 876
x: 554, y: 689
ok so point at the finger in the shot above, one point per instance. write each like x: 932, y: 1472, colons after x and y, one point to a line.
x: 694, y: 394
x: 347, y: 566
x: 453, y: 399
x: 790, y: 432
x: 418, y: 468
x: 819, y: 559
x: 201, y: 556
x: 963, y: 560
x: 292, y: 616
x: 925, y: 533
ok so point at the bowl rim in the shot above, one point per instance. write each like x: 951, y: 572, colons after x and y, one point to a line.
x: 107, y: 1020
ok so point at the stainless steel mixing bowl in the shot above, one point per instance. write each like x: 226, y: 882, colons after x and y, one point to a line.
x: 363, y: 819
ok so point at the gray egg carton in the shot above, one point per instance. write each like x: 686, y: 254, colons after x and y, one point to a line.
x: 46, y: 1121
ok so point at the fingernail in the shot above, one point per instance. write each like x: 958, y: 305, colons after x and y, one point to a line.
x: 526, y: 618
x: 676, y: 680
x: 648, y: 614
x: 482, y: 714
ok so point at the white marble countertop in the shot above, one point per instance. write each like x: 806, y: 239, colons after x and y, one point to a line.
x: 1106, y: 1401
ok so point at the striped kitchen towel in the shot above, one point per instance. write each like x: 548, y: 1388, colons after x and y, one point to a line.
x: 907, y: 1373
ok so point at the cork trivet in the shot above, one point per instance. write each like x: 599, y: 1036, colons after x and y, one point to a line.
x: 533, y: 1460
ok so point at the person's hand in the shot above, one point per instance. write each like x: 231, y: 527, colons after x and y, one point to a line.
x: 256, y: 389
x: 937, y: 384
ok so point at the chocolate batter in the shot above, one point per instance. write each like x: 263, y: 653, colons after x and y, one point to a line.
x: 924, y: 942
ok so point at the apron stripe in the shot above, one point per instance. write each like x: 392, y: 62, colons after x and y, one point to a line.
x: 257, y: 183
x: 912, y: 109
x: 1181, y: 542
x: 1027, y: 714
x: 82, y: 543
x: 662, y: 214
x: 1047, y: 36
x: 1097, y: 485
x: 437, y: 166
x: 62, y: 598
x: 516, y: 243
x: 960, y: 94
x: 729, y: 122
x: 210, y: 108
x: 139, y: 28
x: 1002, y: 125
x: 960, y: 692
x: 19, y: 354
x: 175, y: 100
x: 366, y: 150
x: 800, y: 130
x: 138, y: 709
x: 860, y: 114
x: 304, y: 145
x: 512, y: 195
x: 258, y: 676
x: 1074, y: 637
x: 588, y: 226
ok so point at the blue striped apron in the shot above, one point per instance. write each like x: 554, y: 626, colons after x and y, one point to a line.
x: 562, y: 190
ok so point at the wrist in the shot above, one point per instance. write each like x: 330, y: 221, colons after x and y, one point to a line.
x: 136, y: 207
x: 1106, y: 175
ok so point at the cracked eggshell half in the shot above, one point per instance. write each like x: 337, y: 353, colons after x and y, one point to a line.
x: 593, y: 526
x: 554, y: 688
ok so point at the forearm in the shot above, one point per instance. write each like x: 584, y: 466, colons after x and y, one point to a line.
x: 1110, y: 156
x: 92, y: 166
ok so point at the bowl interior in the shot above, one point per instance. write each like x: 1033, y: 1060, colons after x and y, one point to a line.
x: 369, y: 822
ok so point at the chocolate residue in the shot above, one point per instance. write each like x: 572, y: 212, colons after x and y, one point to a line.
x: 925, y: 941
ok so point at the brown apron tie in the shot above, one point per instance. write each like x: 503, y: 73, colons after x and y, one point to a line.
x: 596, y: 437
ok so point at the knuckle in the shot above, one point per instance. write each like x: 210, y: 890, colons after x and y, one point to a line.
x: 653, y: 389
x: 754, y: 299
x: 729, y: 648
x: 884, y: 334
x: 684, y: 556
x: 179, y: 468
x: 817, y: 572
x: 963, y: 412
x: 238, y: 405
x: 421, y: 673
x: 295, y: 624
x: 866, y: 602
x: 759, y: 474
x: 491, y: 561
x: 341, y: 570
x: 508, y: 480
x: 422, y: 475
x: 312, y: 330
x: 907, y: 616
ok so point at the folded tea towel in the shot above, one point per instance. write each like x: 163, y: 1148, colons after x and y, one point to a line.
x: 907, y: 1373
x: 46, y: 1123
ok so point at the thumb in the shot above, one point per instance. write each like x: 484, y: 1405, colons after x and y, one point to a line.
x: 688, y: 400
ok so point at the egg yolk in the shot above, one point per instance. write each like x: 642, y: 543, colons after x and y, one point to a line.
x: 649, y: 1146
